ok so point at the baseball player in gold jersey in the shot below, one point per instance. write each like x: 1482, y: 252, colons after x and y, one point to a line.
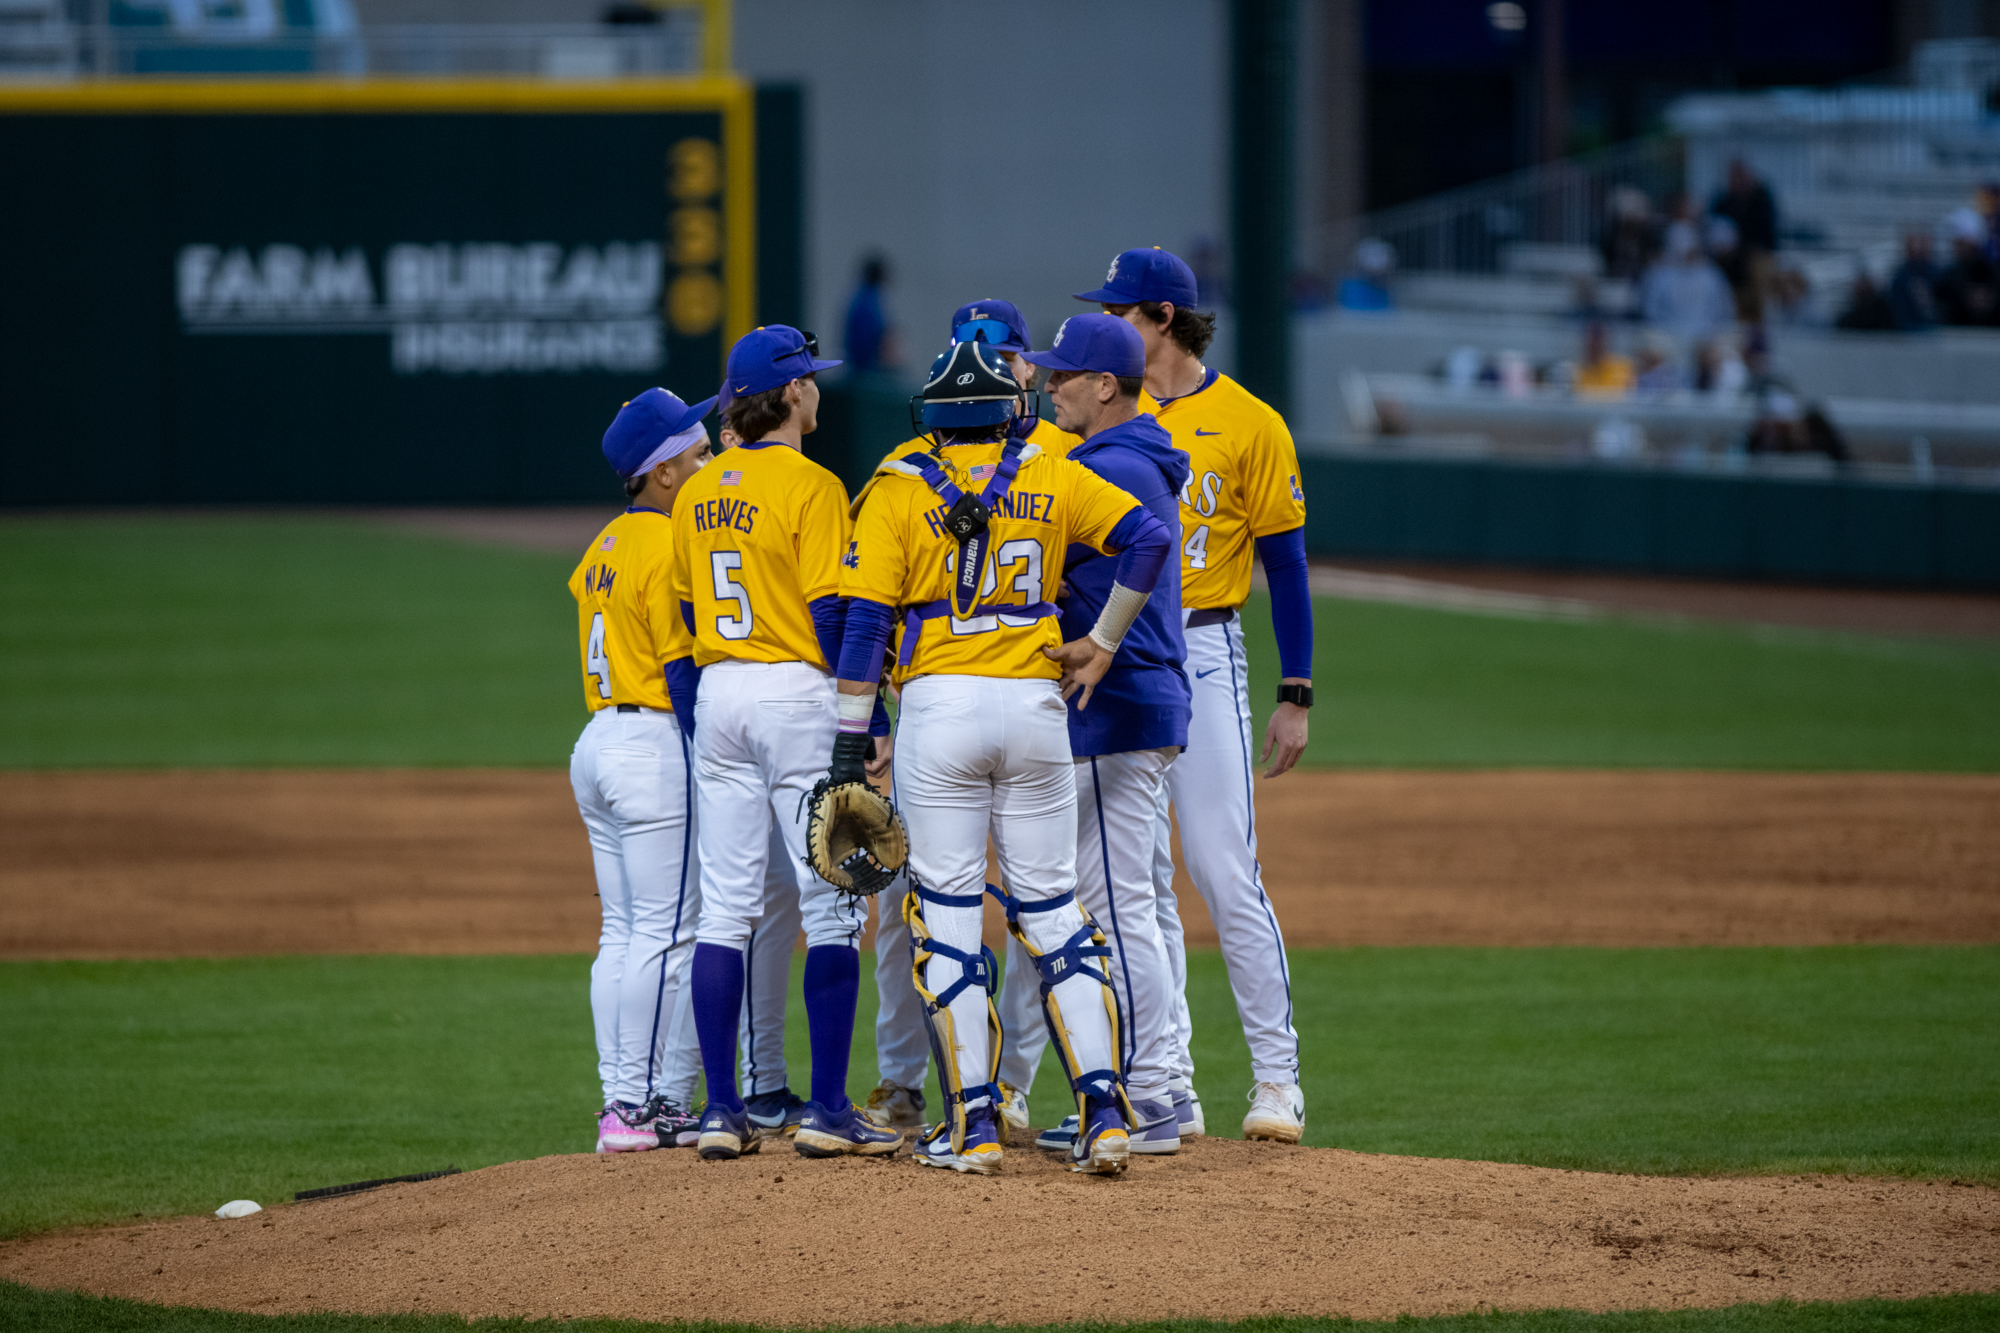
x: 902, y: 1049
x: 631, y: 771
x: 1243, y: 493
x: 957, y: 550
x: 758, y: 540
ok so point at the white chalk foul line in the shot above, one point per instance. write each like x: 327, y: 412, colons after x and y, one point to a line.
x: 1401, y: 590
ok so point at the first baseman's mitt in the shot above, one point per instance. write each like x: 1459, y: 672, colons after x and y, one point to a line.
x: 855, y: 840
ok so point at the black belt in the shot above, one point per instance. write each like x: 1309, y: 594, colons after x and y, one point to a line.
x: 628, y: 708
x: 1214, y: 615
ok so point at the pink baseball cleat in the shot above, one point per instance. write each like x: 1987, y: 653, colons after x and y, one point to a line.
x: 625, y: 1129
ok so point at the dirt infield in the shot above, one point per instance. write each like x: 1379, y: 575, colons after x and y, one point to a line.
x: 414, y: 861
x: 1225, y: 1230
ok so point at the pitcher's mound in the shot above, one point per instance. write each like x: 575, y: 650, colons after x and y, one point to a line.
x: 1225, y: 1230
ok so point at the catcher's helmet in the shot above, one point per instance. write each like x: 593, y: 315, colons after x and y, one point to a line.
x: 969, y: 385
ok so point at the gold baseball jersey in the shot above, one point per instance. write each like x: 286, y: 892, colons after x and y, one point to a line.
x: 1243, y: 484
x: 1045, y: 434
x: 902, y: 556
x: 758, y: 536
x: 628, y: 620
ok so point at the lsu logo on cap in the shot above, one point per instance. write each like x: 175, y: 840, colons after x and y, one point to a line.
x: 732, y: 478
x: 1111, y: 274
x: 610, y: 540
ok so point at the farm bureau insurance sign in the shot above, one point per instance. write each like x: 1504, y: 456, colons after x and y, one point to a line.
x: 480, y: 308
x: 405, y: 291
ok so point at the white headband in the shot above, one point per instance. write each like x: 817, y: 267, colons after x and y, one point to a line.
x: 673, y: 447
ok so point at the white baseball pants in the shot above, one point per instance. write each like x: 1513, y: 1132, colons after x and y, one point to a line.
x: 1118, y: 799
x: 979, y: 755
x: 902, y: 1050
x: 630, y: 774
x: 763, y: 735
x: 767, y: 975
x: 1173, y: 943
x: 1211, y: 789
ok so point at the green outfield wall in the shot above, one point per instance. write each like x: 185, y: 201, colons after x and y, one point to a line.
x: 1642, y: 520
x: 366, y: 292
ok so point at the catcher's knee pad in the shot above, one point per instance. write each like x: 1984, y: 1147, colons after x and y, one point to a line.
x: 979, y: 969
x: 1066, y: 962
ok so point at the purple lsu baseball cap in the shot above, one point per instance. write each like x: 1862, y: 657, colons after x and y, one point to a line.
x: 770, y: 356
x: 646, y: 423
x: 1095, y: 344
x: 1145, y: 275
x: 980, y: 321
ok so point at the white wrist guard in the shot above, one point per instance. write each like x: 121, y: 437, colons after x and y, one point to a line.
x: 1121, y: 608
x: 856, y: 710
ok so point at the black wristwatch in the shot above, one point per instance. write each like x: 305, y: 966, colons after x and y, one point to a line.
x: 1302, y: 695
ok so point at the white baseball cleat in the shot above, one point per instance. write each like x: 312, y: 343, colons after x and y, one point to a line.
x: 893, y: 1106
x: 1013, y: 1109
x: 1277, y: 1112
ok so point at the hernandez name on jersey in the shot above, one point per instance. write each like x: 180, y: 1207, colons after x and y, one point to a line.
x: 902, y: 555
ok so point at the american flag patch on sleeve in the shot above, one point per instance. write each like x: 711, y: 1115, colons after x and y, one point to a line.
x: 610, y: 540
x: 984, y: 470
x: 732, y: 478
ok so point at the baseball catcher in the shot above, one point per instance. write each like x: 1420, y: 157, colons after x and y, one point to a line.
x: 854, y: 838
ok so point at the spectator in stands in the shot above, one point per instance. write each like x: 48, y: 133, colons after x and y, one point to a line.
x: 1785, y: 425
x: 1683, y: 292
x: 1790, y: 289
x: 1719, y: 238
x: 1631, y: 234
x: 868, y: 341
x: 1602, y: 373
x: 1986, y: 203
x: 1868, y: 307
x: 1366, y: 287
x: 1747, y: 203
x: 1657, y: 372
x: 1968, y: 291
x: 1913, y: 286
x: 1719, y: 370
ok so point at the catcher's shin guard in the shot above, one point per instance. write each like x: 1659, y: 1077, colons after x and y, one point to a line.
x: 1064, y: 964
x: 974, y: 968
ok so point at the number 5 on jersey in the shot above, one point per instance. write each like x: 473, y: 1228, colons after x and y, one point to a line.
x: 724, y: 566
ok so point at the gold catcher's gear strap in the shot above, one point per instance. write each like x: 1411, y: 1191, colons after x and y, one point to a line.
x: 1058, y: 966
x: 974, y: 968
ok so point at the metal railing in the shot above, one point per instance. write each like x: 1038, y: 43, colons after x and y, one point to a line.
x: 54, y: 41
x: 1496, y: 225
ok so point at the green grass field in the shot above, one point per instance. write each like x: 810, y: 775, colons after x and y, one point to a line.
x: 63, y: 1312
x: 220, y: 640
x: 254, y: 1078
x: 300, y: 641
